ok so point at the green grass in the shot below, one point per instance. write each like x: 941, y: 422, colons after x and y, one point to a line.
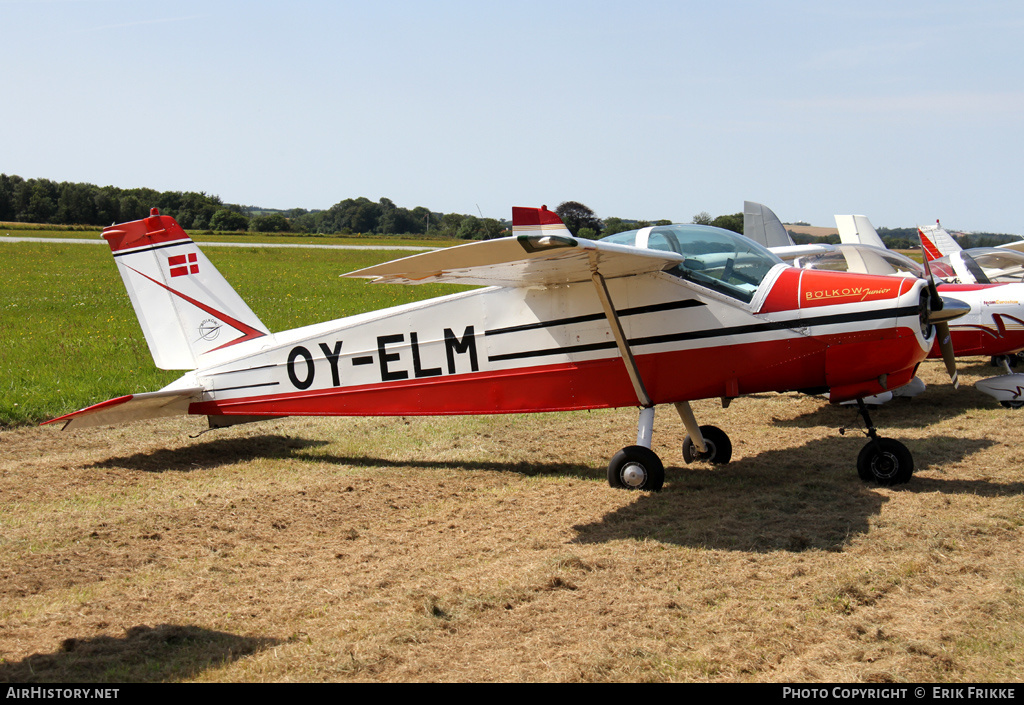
x: 69, y: 336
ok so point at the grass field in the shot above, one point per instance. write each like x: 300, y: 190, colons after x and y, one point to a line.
x: 477, y: 548
x: 69, y: 336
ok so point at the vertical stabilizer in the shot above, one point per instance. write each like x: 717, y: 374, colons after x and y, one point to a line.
x: 936, y: 241
x: 184, y: 305
x: 537, y: 222
x: 857, y: 230
x: 762, y: 225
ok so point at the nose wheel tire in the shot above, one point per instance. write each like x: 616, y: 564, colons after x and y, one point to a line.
x: 719, y: 447
x: 636, y: 468
x: 885, y: 461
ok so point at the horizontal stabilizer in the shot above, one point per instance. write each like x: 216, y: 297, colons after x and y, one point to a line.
x: 132, y: 407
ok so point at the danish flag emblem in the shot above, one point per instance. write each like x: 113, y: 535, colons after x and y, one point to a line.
x: 183, y: 265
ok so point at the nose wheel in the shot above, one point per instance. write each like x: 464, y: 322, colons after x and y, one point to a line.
x: 883, y: 460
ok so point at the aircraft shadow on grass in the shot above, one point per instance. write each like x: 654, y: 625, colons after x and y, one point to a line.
x: 144, y: 654
x: 781, y: 500
x: 214, y: 453
x: 933, y: 406
x: 794, y: 499
x: 210, y: 454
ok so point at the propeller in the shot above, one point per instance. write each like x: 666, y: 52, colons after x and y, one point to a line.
x: 941, y: 311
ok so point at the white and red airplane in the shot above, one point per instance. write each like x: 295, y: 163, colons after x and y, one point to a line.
x: 660, y: 315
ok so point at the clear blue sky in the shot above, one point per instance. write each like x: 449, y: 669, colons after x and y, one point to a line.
x: 902, y: 111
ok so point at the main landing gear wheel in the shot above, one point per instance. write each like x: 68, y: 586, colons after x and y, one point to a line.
x: 885, y: 461
x: 718, y: 444
x: 636, y: 468
x: 1015, y: 404
x: 1011, y: 360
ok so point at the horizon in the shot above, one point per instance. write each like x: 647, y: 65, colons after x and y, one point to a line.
x: 267, y: 209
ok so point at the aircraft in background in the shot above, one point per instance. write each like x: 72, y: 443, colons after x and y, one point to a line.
x: 993, y: 327
x: 977, y: 265
x: 660, y: 315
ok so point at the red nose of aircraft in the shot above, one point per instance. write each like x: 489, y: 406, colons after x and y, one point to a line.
x: 875, y: 329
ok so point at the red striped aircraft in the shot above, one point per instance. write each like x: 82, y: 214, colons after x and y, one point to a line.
x: 659, y: 315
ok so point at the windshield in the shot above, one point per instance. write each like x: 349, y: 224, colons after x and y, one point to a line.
x: 716, y: 258
x: 1010, y: 262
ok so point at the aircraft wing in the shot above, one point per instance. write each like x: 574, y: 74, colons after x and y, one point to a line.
x: 791, y: 252
x: 132, y: 407
x: 1016, y: 245
x: 521, y: 260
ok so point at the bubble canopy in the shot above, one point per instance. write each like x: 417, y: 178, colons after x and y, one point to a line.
x: 716, y: 258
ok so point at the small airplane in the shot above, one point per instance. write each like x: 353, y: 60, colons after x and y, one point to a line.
x: 660, y: 315
x: 977, y: 265
x: 994, y: 326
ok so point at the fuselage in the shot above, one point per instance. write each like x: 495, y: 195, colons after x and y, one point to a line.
x: 507, y: 349
x: 995, y: 324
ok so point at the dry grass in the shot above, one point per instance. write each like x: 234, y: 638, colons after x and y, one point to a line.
x: 492, y: 549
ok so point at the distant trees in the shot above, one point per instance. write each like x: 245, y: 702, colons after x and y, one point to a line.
x: 65, y: 203
x: 732, y: 222
x: 269, y: 223
x: 618, y: 225
x: 228, y: 220
x: 575, y: 215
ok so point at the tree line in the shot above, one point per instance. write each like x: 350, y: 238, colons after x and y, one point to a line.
x: 66, y: 203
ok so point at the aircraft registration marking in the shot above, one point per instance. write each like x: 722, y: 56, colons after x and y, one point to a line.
x: 302, y: 369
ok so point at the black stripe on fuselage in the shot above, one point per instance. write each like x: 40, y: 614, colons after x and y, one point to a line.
x: 636, y: 311
x: 246, y: 386
x: 765, y: 327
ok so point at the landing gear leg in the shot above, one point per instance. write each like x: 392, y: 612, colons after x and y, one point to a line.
x: 638, y: 467
x: 882, y: 460
x: 708, y: 443
x: 1005, y: 361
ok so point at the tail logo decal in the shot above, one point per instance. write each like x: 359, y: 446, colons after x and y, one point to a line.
x: 209, y: 329
x: 248, y: 332
x: 183, y: 265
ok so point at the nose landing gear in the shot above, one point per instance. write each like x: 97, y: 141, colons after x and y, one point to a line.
x: 882, y: 460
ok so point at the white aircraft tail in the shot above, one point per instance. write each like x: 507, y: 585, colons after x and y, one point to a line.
x: 184, y: 305
x: 936, y: 241
x: 762, y: 225
x: 857, y: 230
